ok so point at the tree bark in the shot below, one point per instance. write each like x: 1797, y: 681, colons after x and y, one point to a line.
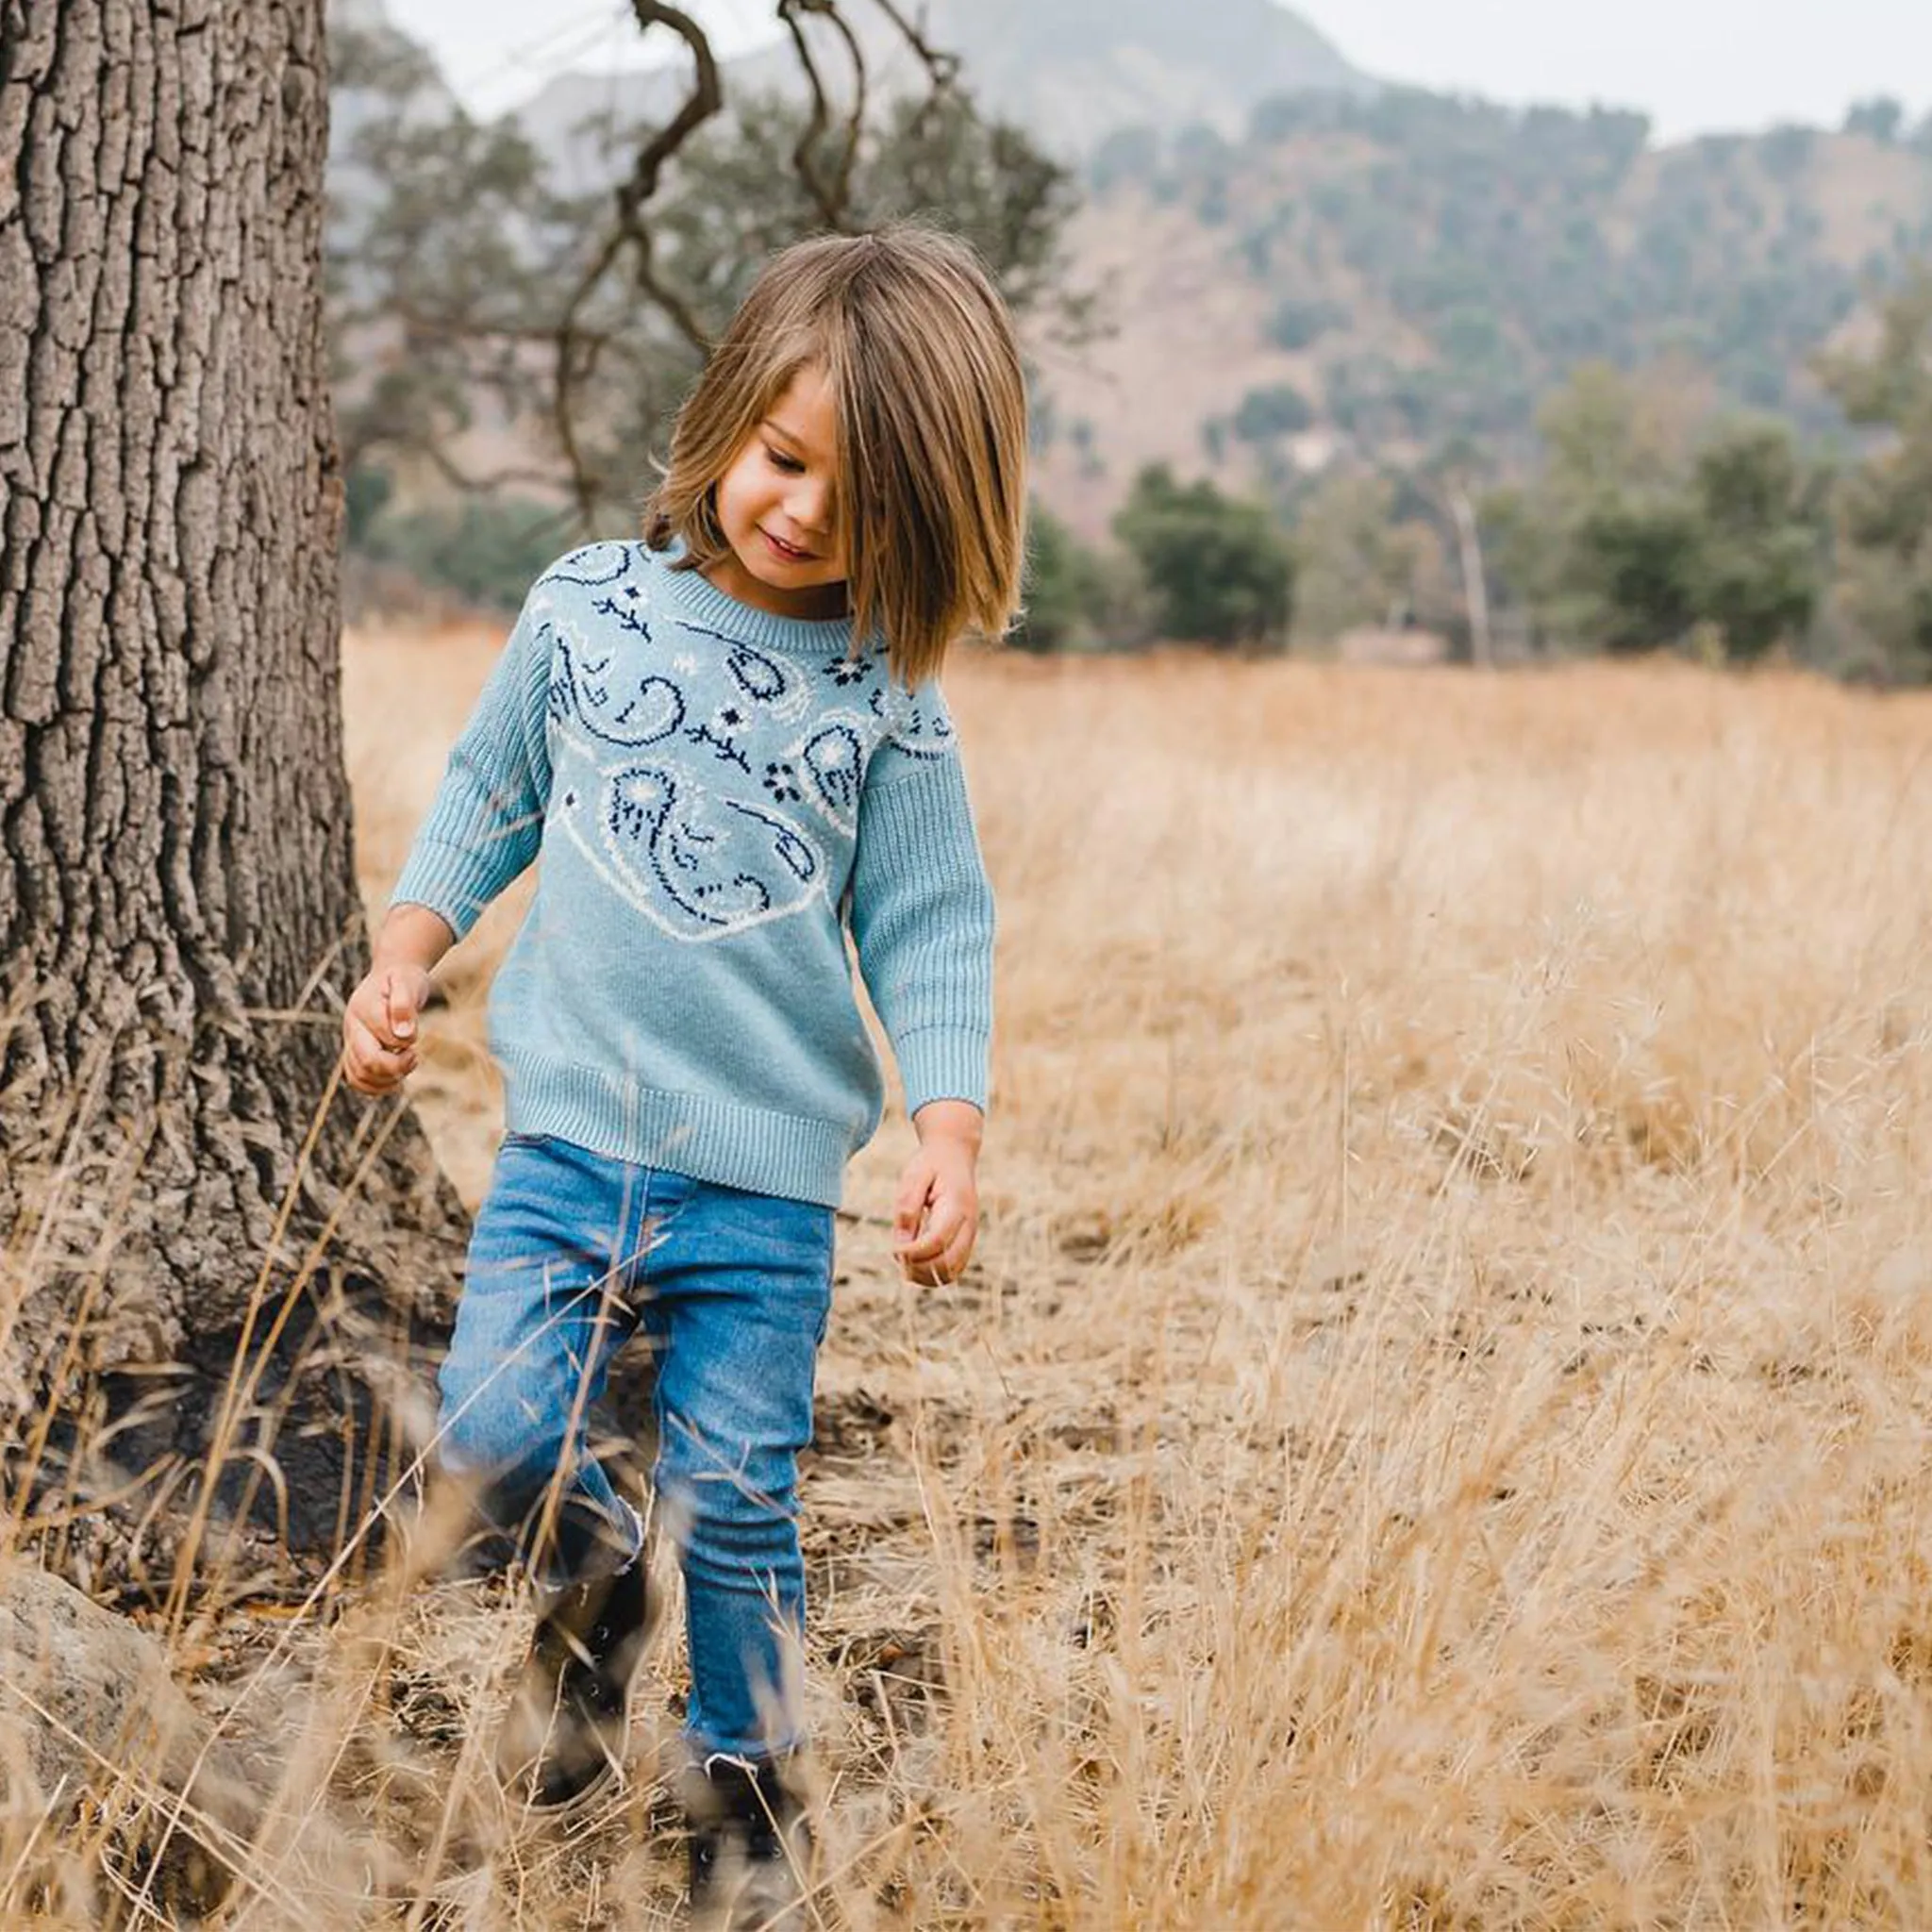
x: 177, y: 880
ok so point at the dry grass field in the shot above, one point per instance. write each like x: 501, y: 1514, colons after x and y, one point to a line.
x: 1436, y: 1433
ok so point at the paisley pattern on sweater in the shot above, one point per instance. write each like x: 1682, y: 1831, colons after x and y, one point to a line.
x: 696, y: 865
x: 746, y: 806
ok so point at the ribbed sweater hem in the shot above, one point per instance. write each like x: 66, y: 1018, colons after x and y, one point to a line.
x: 789, y: 1156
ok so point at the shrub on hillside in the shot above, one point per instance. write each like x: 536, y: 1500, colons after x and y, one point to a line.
x: 1279, y: 410
x: 1879, y: 119
x: 1298, y: 323
x: 1129, y: 154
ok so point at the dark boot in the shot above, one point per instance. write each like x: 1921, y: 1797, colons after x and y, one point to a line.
x: 565, y: 1731
x: 750, y: 1848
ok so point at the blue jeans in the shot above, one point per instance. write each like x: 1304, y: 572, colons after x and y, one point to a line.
x: 572, y: 1254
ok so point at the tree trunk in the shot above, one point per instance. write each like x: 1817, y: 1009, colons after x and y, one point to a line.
x: 1475, y: 588
x: 177, y: 880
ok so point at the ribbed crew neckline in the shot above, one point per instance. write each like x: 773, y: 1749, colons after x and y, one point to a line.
x: 701, y: 601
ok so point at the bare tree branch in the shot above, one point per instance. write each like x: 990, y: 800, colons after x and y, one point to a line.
x: 489, y: 483
x: 705, y: 99
x: 829, y: 194
x: 942, y: 68
x: 585, y: 311
x: 832, y: 200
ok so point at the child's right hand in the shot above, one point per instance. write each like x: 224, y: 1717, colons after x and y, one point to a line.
x: 381, y: 1027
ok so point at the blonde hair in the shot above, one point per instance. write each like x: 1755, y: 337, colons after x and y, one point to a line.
x: 919, y: 353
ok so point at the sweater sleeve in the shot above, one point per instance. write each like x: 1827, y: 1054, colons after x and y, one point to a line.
x: 923, y: 920
x: 487, y: 821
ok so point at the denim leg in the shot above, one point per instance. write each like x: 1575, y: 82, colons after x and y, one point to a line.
x: 547, y: 1297
x: 738, y: 1290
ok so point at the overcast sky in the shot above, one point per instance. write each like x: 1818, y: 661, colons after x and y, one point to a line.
x: 1693, y: 66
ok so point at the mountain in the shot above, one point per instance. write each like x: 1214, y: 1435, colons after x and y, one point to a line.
x: 1294, y: 266
x: 1072, y: 72
x: 1377, y: 278
x: 1075, y: 71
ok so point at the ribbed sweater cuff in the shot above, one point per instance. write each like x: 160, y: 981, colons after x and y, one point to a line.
x: 940, y: 1063
x: 446, y: 879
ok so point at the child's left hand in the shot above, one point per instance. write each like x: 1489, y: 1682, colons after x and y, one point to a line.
x: 936, y: 1217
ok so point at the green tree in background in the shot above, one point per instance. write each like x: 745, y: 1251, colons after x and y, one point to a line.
x: 484, y: 338
x: 1886, y: 506
x: 1653, y: 518
x: 1299, y: 322
x: 1597, y: 551
x: 1129, y: 154
x: 1279, y: 410
x: 1879, y: 119
x: 1355, y: 565
x: 1219, y: 570
x: 485, y: 550
x: 1759, y: 566
x: 1605, y: 429
x: 1066, y: 590
x: 1631, y: 565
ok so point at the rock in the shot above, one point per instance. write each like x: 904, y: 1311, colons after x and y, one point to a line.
x: 91, y: 1721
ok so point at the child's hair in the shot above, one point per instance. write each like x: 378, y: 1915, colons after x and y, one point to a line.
x: 920, y: 356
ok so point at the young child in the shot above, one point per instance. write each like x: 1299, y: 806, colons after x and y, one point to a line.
x: 727, y: 744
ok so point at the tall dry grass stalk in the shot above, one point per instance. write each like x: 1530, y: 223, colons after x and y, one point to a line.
x: 1435, y: 1433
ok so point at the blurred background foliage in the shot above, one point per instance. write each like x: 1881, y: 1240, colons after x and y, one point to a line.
x: 1307, y: 359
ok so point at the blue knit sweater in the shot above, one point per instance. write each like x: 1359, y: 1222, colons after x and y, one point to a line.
x: 718, y: 795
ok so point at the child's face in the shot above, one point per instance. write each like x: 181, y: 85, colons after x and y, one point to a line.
x: 777, y: 506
